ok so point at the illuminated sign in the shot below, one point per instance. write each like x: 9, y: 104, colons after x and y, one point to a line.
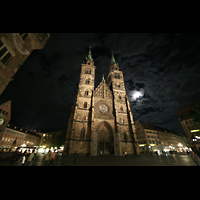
x: 141, y: 145
x: 194, y: 130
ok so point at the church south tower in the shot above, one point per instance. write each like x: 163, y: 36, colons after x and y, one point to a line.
x: 101, y: 119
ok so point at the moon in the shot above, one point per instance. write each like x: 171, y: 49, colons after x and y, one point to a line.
x: 136, y: 94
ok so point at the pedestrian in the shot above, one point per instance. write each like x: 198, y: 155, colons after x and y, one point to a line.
x: 75, y: 155
x: 125, y: 154
x: 1, y: 150
x: 52, y: 156
x: 100, y: 154
x: 31, y: 158
x: 15, y: 158
x: 24, y: 157
x: 47, y: 158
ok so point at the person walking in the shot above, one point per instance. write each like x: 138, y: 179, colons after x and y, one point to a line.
x: 125, y: 154
x: 75, y: 155
x: 24, y: 157
x: 101, y: 154
x: 31, y: 158
x: 47, y: 158
x: 52, y: 156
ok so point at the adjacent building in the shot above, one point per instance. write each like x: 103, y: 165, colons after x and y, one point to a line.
x: 192, y: 130
x: 14, y: 50
x: 20, y: 136
x: 46, y: 139
x: 5, y: 115
x: 153, y: 138
x: 101, y: 120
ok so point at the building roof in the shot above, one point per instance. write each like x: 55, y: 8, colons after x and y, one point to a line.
x: 3, y: 101
x: 157, y: 128
x: 150, y: 126
x: 21, y: 129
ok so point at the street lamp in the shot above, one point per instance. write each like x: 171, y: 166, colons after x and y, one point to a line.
x: 180, y: 145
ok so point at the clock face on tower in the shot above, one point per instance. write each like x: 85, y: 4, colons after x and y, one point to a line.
x: 23, y: 52
x: 1, y: 121
x: 103, y: 108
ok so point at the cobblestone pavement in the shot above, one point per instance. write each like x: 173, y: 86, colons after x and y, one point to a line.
x: 141, y: 160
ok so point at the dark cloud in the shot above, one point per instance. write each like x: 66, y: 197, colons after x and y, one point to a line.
x: 164, y: 67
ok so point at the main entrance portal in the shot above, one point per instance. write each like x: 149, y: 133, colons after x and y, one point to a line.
x: 106, y: 148
x: 105, y: 143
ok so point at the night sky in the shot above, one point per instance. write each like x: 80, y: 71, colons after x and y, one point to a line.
x: 164, y: 68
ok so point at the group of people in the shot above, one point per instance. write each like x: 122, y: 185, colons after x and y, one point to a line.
x: 49, y: 158
x: 21, y: 159
x: 27, y: 159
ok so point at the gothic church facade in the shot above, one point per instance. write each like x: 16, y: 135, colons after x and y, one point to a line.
x: 101, y: 118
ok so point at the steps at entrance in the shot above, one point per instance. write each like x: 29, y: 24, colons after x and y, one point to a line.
x: 107, y: 155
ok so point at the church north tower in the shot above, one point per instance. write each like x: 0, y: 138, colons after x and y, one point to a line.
x: 101, y: 119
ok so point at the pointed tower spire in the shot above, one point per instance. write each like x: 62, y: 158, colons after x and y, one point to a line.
x: 113, y: 64
x: 113, y: 59
x: 90, y: 54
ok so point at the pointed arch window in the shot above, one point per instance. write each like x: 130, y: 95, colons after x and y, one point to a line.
x: 121, y: 108
x: 87, y: 81
x: 82, y: 133
x: 118, y: 85
x: 85, y: 105
x: 88, y: 71
x: 125, y: 136
x: 86, y: 92
x: 117, y: 75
